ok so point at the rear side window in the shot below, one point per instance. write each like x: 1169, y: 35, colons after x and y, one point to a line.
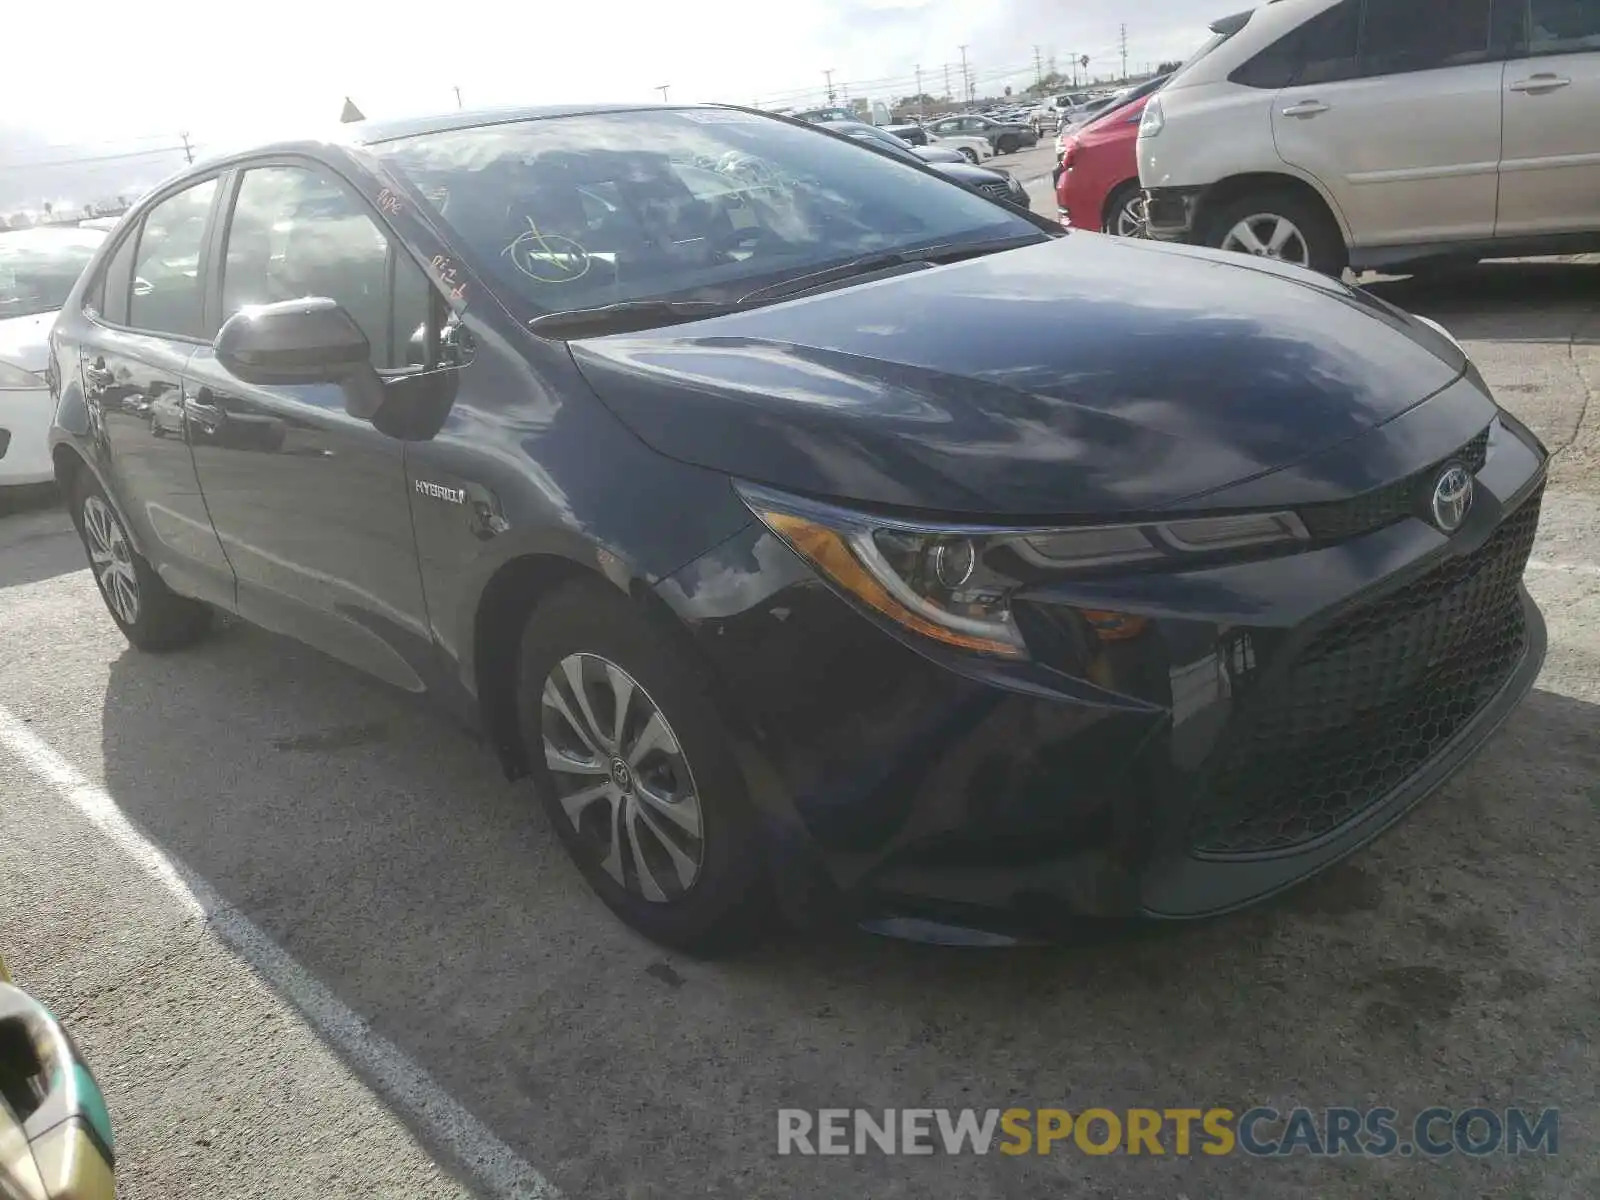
x: 1564, y: 27
x: 1401, y: 36
x: 1323, y: 50
x: 168, y: 288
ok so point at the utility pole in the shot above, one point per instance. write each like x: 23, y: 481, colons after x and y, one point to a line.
x: 1038, y: 67
x: 188, y: 152
x: 1124, y: 54
x: 662, y: 88
x: 966, y: 80
x: 919, y: 91
x: 828, y: 75
x: 458, y: 97
x: 947, y: 81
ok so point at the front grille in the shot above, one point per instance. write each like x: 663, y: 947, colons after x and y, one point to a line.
x: 1369, y: 701
x: 1388, y: 504
x: 998, y: 189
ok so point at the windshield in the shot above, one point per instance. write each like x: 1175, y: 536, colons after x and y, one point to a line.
x: 575, y: 212
x: 39, y: 266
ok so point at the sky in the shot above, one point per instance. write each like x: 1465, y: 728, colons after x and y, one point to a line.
x: 135, y: 76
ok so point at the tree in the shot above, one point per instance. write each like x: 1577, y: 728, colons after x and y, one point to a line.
x: 920, y: 100
x: 1167, y: 68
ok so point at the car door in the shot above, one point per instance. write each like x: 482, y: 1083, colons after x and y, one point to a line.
x: 1550, y: 173
x: 311, y: 503
x: 1395, y: 109
x: 144, y: 319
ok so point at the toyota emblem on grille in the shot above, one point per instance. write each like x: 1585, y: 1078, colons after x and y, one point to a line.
x: 1452, y: 497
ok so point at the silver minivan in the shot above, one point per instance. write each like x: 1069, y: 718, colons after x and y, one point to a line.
x: 1382, y: 133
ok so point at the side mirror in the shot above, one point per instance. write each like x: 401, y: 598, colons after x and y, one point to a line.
x: 312, y: 340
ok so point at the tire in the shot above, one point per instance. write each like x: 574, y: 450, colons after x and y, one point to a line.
x: 151, y: 615
x: 584, y: 631
x: 1316, y: 242
x: 969, y: 154
x: 1006, y: 145
x: 1118, y: 218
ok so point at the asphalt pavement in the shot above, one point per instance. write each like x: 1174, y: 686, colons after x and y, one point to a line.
x: 314, y: 945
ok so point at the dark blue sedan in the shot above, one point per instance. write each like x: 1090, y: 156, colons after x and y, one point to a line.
x: 813, y: 534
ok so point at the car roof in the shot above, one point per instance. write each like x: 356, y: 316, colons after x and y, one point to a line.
x: 373, y: 131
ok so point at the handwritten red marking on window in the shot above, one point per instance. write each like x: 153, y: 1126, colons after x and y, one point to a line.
x: 388, y: 202
x: 445, y: 269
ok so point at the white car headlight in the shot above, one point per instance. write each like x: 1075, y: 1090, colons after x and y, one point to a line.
x: 1154, y: 120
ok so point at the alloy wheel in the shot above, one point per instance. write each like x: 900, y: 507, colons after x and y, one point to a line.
x: 1268, y: 235
x: 111, y: 556
x: 622, y: 778
x: 1131, y: 220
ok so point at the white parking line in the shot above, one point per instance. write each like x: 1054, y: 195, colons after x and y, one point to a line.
x: 499, y: 1170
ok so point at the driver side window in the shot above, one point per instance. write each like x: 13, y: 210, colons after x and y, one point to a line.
x: 298, y: 232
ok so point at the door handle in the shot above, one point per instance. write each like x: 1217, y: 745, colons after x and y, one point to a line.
x: 1542, y: 82
x: 1306, y: 108
x: 97, y: 375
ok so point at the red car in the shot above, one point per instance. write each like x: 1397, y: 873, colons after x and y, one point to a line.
x: 1098, y: 187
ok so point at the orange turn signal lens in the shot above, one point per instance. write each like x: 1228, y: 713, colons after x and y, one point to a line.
x: 831, y: 555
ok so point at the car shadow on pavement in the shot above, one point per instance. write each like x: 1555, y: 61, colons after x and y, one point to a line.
x: 1452, y: 963
x: 1517, y: 301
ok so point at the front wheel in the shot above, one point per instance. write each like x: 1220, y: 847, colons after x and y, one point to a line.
x: 1281, y: 226
x: 969, y: 154
x: 1125, y: 214
x: 634, y: 765
x: 151, y: 615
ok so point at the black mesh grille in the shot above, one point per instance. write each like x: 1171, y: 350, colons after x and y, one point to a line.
x: 1388, y: 504
x: 998, y: 189
x: 1371, y: 699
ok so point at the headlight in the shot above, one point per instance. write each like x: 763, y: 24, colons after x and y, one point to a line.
x: 13, y: 379
x: 1154, y: 120
x: 953, y: 583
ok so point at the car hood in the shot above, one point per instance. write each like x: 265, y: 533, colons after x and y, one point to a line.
x: 25, y: 341
x: 1084, y: 375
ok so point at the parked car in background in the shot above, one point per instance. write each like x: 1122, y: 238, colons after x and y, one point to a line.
x: 37, y: 269
x: 103, y: 224
x: 943, y: 564
x: 987, y: 181
x: 1048, y: 115
x: 1383, y: 133
x: 1097, y: 179
x: 1003, y: 139
x: 912, y: 134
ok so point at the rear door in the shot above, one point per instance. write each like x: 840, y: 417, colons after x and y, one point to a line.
x: 1550, y: 176
x: 145, y: 319
x: 1394, y: 106
x: 311, y: 503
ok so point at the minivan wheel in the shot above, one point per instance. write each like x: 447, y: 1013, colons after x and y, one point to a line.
x: 1125, y: 212
x: 1281, y: 226
x: 635, y: 768
x: 151, y: 615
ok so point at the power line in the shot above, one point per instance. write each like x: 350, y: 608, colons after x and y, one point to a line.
x: 91, y: 158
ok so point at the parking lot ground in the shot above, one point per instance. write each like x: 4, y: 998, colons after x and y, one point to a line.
x: 393, y: 969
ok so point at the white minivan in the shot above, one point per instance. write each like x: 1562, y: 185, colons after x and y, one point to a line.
x: 1383, y: 133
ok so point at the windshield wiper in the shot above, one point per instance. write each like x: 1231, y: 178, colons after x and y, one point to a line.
x: 626, y: 316
x: 944, y: 252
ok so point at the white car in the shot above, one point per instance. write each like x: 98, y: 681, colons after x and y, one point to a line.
x: 973, y: 149
x: 37, y: 269
x: 1378, y: 134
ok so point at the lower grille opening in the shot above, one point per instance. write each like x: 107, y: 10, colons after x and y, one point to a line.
x: 1369, y: 702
